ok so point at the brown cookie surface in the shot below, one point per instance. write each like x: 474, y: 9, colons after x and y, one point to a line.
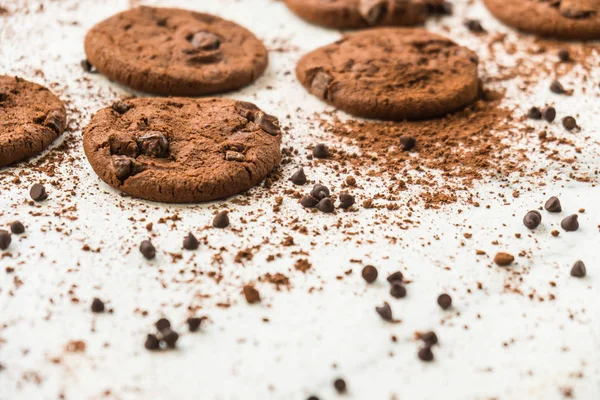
x: 181, y: 150
x: 175, y: 52
x: 31, y: 117
x: 392, y: 74
x: 353, y: 14
x: 562, y: 19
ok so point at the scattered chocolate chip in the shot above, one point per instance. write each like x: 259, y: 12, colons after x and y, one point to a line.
x: 121, y: 107
x: 251, y: 294
x: 408, y: 143
x: 38, y: 192
x: 147, y: 249
x: 340, y: 385
x: 504, y: 259
x: 570, y: 223
x: 194, y: 323
x: 369, y: 273
x: 578, y: 270
x: 398, y: 291
x: 320, y: 192
x: 474, y: 26
x: 152, y: 342
x: 190, y: 242
x: 534, y: 113
x: 299, y: 177
x: 17, y: 228
x: 170, y: 338
x: 346, y: 200
x: 425, y: 354
x: 569, y: 123
x: 444, y: 301
x: 429, y: 338
x: 549, y: 114
x: 97, y: 305
x: 395, y: 277
x: 5, y: 239
x: 557, y: 87
x: 163, y: 324
x: 553, y: 205
x: 326, y: 206
x: 532, y: 219
x: 221, y: 220
x: 205, y: 41
x: 154, y: 144
x: 320, y: 151
x: 385, y: 312
x: 308, y: 201
x: 564, y: 55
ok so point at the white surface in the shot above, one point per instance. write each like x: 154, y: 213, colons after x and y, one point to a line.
x: 321, y: 321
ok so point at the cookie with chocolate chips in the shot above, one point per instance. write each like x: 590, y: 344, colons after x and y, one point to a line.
x: 561, y: 19
x: 175, y: 52
x: 354, y: 14
x: 182, y: 150
x: 31, y: 117
x: 392, y: 74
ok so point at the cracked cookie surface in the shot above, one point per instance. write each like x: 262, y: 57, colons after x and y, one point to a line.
x: 175, y: 52
x: 31, y: 117
x: 181, y: 150
x: 392, y: 74
x: 562, y: 19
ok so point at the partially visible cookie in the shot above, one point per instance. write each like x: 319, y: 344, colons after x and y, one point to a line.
x: 562, y: 19
x: 31, y: 117
x: 182, y: 150
x: 354, y: 14
x: 392, y: 74
x: 175, y: 52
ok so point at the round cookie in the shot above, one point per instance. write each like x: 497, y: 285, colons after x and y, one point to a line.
x: 392, y: 74
x: 562, y: 19
x: 175, y: 52
x: 182, y: 150
x: 354, y: 14
x: 31, y: 117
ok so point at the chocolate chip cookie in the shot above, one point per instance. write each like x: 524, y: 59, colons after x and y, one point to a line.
x: 392, y: 74
x: 354, y: 14
x: 562, y: 19
x: 175, y: 52
x: 31, y: 117
x: 182, y: 150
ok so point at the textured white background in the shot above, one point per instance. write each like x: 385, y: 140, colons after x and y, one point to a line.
x: 237, y: 355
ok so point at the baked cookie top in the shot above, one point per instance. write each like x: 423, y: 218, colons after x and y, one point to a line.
x: 31, y: 117
x: 181, y: 150
x: 392, y: 74
x: 562, y: 19
x: 175, y: 52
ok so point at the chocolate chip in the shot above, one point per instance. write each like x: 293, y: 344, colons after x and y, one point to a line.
x: 564, y: 55
x: 444, y: 301
x: 570, y: 223
x: 97, y: 305
x: 320, y: 151
x: 221, y: 220
x: 147, y: 249
x: 395, y: 277
x: 398, y: 291
x: 569, y: 123
x: 553, y: 205
x: 425, y: 354
x: 154, y: 144
x: 17, y: 227
x: 474, y: 26
x: 123, y: 145
x: 578, y: 270
x: 534, y: 113
x: 267, y: 123
x: 326, y: 206
x: 251, y: 294
x: 429, y: 338
x: 313, y: 398
x: 152, y: 342
x: 408, y: 142
x: 299, y: 178
x: 194, y: 323
x: 346, y: 200
x: 504, y: 259
x: 5, y: 239
x: 234, y: 156
x: 308, y: 201
x: 246, y: 109
x: 340, y: 385
x: 532, y: 219
x: 373, y: 11
x: 123, y: 167
x: 320, y: 84
x: 87, y: 67
x: 369, y: 273
x: 205, y: 41
x: 320, y: 192
x: 557, y: 87
x: 121, y: 107
x: 385, y: 312
x: 190, y: 242
x: 163, y: 324
x: 170, y: 338
x: 38, y: 192
x: 549, y: 114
